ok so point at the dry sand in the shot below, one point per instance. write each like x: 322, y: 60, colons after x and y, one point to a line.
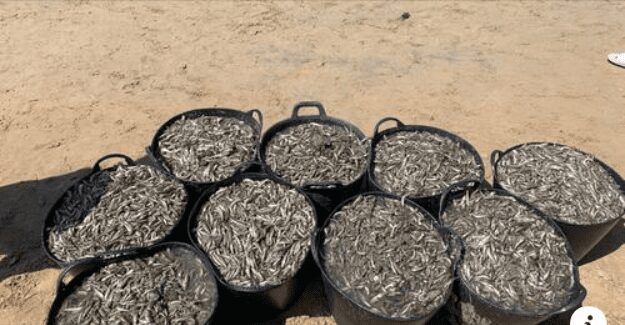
x: 82, y: 79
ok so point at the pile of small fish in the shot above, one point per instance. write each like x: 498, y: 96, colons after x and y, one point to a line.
x: 169, y: 287
x: 127, y: 207
x: 562, y: 182
x: 207, y: 149
x: 313, y: 153
x: 257, y: 232
x: 470, y: 316
x: 513, y: 257
x: 387, y: 256
x: 421, y: 164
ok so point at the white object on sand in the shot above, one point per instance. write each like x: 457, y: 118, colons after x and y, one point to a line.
x: 617, y: 59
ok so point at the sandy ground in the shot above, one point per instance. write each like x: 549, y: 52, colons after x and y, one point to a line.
x: 79, y: 80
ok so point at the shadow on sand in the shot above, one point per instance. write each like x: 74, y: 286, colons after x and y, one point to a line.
x: 23, y: 208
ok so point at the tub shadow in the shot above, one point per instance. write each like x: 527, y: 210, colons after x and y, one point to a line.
x: 23, y: 208
x: 610, y: 243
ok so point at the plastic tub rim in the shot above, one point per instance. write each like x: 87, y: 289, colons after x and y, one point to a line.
x: 325, y: 276
x: 153, y: 150
x: 48, y: 220
x: 305, y: 119
x: 496, y: 156
x: 197, y: 208
x: 100, y: 261
x: 378, y: 136
x: 577, y: 291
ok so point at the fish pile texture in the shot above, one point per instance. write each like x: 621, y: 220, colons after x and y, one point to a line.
x: 170, y: 287
x: 313, y: 153
x: 513, y: 257
x: 207, y: 149
x: 388, y: 257
x: 564, y: 183
x: 128, y: 207
x: 257, y: 232
x: 421, y: 164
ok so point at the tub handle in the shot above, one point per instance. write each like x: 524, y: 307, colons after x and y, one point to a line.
x: 259, y: 116
x: 454, y: 189
x: 456, y: 245
x: 244, y: 167
x: 376, y: 130
x: 320, y: 186
x: 75, y: 268
x: 298, y: 106
x: 494, y: 158
x: 128, y: 160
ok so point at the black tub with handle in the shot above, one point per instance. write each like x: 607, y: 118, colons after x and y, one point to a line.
x: 344, y: 308
x: 252, y: 304
x: 430, y: 203
x: 48, y: 221
x: 583, y: 237
x: 488, y: 309
x: 78, y: 271
x: 253, y: 118
x: 325, y: 195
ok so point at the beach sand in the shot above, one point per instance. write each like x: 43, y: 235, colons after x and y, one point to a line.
x: 82, y: 79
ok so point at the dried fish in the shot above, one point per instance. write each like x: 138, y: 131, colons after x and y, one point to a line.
x: 169, y: 287
x: 562, y: 182
x: 257, y: 232
x: 421, y: 164
x: 513, y: 257
x: 313, y: 153
x: 208, y: 148
x: 130, y: 206
x: 470, y: 316
x: 388, y: 257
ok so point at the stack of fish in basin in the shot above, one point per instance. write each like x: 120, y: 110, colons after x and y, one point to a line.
x: 420, y: 162
x: 256, y: 232
x: 166, y: 284
x: 113, y: 210
x: 583, y: 195
x: 383, y: 260
x: 517, y: 267
x: 205, y: 146
x: 324, y: 156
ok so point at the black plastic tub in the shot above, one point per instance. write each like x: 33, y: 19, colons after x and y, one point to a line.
x: 344, y: 308
x: 82, y: 269
x: 430, y: 203
x: 253, y: 118
x: 97, y: 169
x: 488, y: 309
x: 325, y: 196
x: 252, y: 304
x: 583, y: 237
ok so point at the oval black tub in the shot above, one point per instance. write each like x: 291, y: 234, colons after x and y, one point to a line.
x: 48, y: 221
x: 487, y: 308
x: 344, y: 308
x: 252, y: 304
x: 430, y: 203
x: 79, y: 270
x: 583, y: 237
x: 325, y: 195
x: 253, y: 118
